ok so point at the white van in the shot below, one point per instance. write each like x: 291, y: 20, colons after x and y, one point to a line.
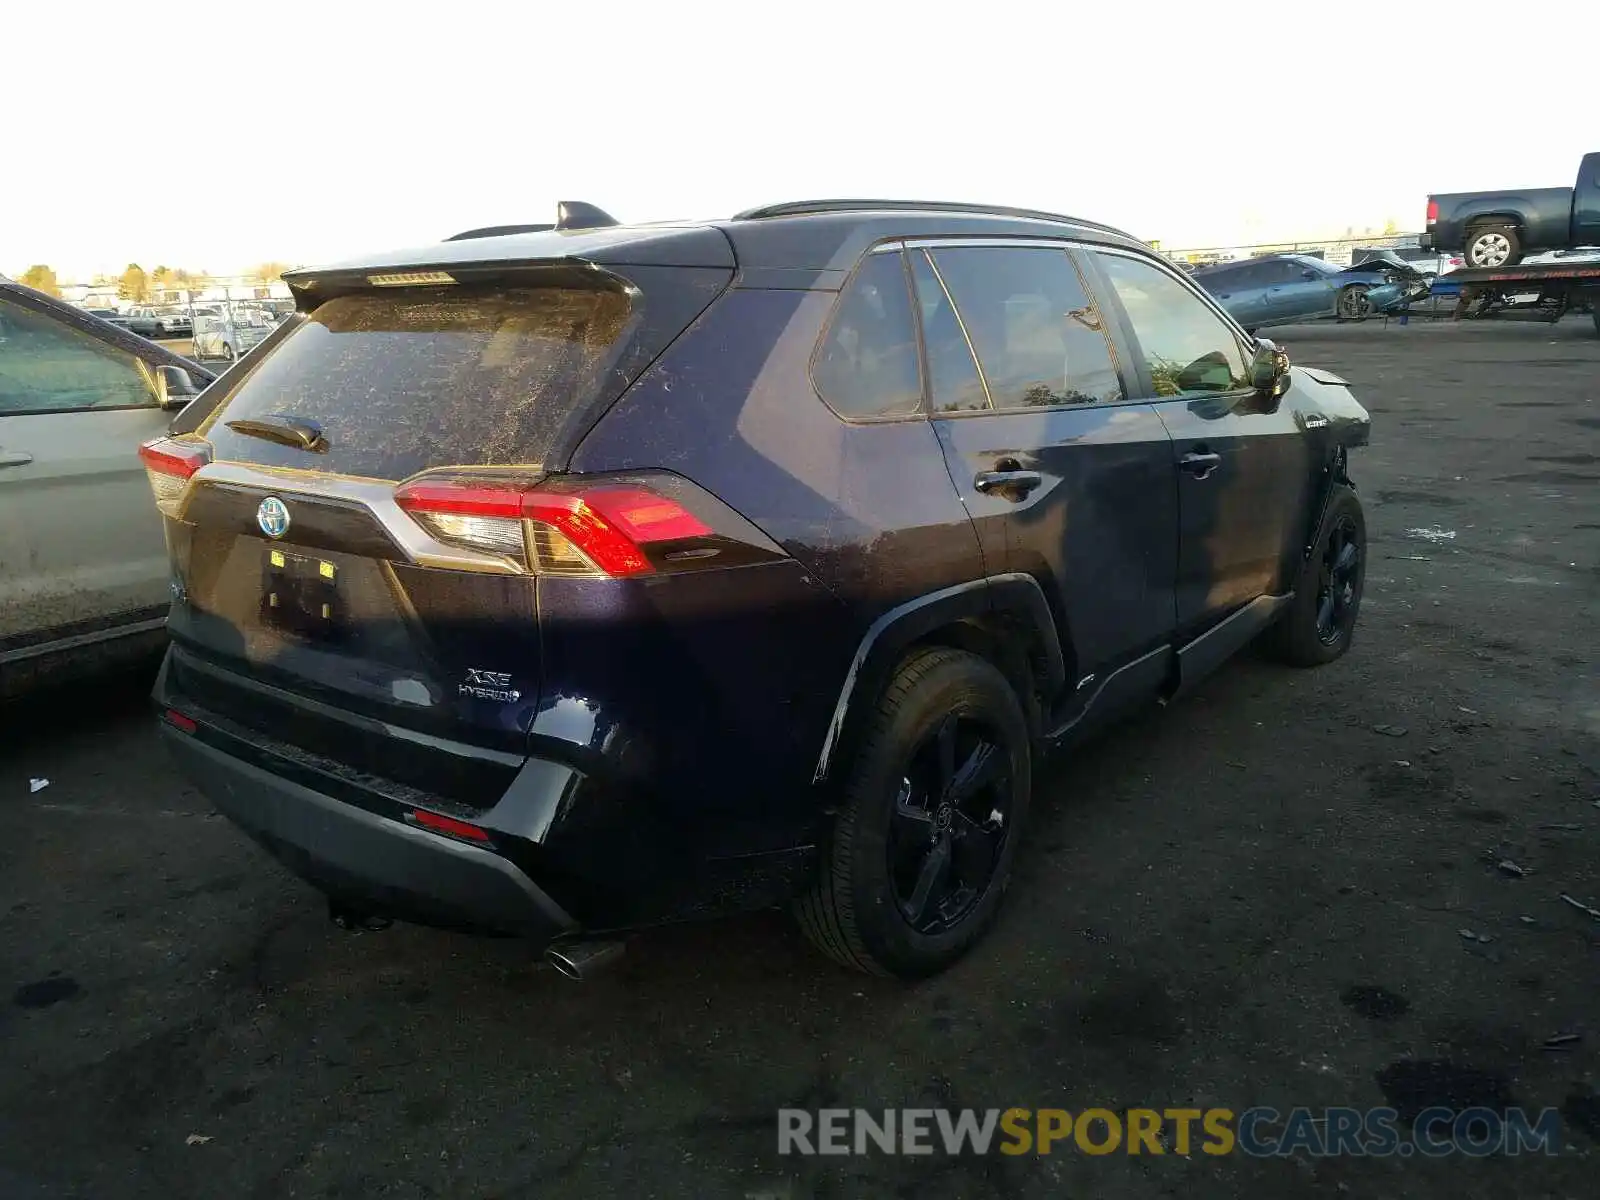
x: 217, y: 335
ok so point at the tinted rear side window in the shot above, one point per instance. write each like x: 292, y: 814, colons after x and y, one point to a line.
x: 867, y: 363
x: 422, y: 377
x: 1039, y: 338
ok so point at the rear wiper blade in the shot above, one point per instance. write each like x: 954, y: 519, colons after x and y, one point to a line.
x: 284, y: 428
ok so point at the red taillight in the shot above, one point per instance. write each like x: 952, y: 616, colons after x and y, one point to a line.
x: 1433, y: 211
x: 440, y: 823
x: 178, y: 721
x: 586, y: 531
x: 169, y: 464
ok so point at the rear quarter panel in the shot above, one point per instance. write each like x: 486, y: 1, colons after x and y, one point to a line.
x: 867, y: 511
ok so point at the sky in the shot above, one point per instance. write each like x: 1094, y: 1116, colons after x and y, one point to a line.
x: 220, y: 136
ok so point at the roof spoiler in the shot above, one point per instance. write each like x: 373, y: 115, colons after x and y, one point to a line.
x: 570, y: 214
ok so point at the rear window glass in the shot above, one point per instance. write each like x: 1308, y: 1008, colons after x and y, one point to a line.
x: 422, y: 377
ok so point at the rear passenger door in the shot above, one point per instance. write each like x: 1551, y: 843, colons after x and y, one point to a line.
x: 1243, y: 463
x: 1066, y: 480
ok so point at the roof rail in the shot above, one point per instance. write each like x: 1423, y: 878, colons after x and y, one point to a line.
x: 800, y: 208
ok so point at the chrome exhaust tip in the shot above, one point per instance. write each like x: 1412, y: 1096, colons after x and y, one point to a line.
x: 583, y: 960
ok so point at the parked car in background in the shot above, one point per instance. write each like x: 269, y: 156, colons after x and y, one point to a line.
x: 1280, y: 289
x: 83, y: 569
x: 1496, y: 229
x: 559, y: 583
x: 227, y: 336
x: 159, y: 322
x: 110, y: 316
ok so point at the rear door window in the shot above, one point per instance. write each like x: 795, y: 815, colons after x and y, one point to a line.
x: 866, y: 365
x: 954, y: 384
x: 411, y: 378
x: 1039, y: 338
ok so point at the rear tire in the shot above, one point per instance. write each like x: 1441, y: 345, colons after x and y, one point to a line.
x: 898, y: 823
x: 1493, y: 246
x: 1319, y: 623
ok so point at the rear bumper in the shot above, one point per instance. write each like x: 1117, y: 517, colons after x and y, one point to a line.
x: 368, y: 860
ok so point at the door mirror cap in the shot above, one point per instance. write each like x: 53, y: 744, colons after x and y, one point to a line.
x: 1269, y: 368
x: 1308, y: 274
x: 177, y: 386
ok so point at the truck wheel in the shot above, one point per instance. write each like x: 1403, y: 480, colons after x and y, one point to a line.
x: 929, y: 821
x: 1353, y: 303
x: 1493, y: 246
x: 1317, y: 626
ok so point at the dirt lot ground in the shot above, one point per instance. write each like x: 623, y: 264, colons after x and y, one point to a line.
x: 1200, y: 893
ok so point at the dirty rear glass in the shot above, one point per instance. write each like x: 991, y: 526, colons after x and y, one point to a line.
x: 422, y: 377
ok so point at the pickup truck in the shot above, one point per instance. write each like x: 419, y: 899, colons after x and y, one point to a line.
x: 1495, y: 229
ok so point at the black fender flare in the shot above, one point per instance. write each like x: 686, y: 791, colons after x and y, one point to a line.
x: 1016, y: 595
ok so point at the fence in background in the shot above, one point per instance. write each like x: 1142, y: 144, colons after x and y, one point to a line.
x: 1336, y: 250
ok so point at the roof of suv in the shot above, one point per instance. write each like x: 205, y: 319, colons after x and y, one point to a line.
x: 814, y: 237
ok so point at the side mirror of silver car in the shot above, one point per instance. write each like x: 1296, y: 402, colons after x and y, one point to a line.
x: 178, y: 387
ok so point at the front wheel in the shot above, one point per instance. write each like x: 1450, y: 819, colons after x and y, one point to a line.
x: 1353, y: 303
x: 1319, y: 622
x: 933, y: 808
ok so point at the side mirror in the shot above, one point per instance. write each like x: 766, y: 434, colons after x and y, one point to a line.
x: 1308, y: 274
x: 177, y: 386
x: 1269, y: 369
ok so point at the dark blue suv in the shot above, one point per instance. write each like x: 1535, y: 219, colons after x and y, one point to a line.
x: 557, y: 581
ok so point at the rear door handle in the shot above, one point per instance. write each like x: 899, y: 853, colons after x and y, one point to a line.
x: 14, y: 458
x: 1200, y: 465
x: 1012, y: 485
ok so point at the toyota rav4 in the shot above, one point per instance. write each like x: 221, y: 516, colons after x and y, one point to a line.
x: 557, y: 581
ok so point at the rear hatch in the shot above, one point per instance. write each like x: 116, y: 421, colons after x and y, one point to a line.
x: 355, y: 540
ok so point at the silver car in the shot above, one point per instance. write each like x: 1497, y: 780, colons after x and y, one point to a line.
x: 83, y: 569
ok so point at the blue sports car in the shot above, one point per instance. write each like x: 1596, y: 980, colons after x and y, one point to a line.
x: 1283, y: 289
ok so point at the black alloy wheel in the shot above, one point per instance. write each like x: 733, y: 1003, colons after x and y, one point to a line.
x: 949, y: 824
x: 1338, y: 581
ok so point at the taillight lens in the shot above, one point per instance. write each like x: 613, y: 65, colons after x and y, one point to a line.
x: 169, y: 464
x: 1433, y: 211
x: 558, y: 530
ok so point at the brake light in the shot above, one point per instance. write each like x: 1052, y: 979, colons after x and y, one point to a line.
x: 179, y: 721
x: 1433, y: 211
x: 439, y: 823
x: 169, y: 464
x: 594, y: 531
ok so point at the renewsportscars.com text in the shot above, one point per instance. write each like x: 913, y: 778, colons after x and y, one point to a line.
x: 1258, y: 1132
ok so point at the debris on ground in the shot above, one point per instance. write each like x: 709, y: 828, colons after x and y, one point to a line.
x: 1563, y: 826
x: 1563, y: 1041
x: 1506, y: 867
x: 37, y: 785
x: 196, y: 1139
x: 1469, y: 935
x: 1432, y: 533
x: 1391, y: 730
x: 1581, y: 906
